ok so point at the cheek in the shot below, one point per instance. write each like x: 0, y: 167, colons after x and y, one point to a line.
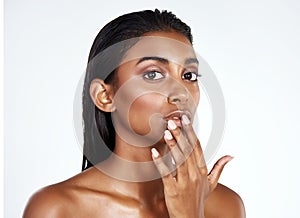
x: 195, y: 95
x: 142, y: 109
x: 194, y: 98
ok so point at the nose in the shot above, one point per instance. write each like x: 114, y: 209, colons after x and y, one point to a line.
x: 178, y: 97
x: 177, y: 92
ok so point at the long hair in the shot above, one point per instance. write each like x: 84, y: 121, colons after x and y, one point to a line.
x: 97, y: 123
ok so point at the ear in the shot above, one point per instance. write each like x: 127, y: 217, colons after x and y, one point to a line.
x: 102, y: 95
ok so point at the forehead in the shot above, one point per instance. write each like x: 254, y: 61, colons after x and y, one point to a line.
x: 173, y: 47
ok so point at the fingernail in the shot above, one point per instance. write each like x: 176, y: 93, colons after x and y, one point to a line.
x: 185, y: 120
x: 172, y: 125
x: 168, y: 135
x: 154, y: 152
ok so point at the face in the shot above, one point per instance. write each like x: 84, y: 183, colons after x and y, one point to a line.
x: 157, y: 81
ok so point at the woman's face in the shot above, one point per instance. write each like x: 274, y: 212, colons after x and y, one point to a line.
x: 157, y: 81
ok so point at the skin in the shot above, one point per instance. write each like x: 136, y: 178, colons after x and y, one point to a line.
x: 191, y: 192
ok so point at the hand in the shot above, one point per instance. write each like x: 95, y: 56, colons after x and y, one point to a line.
x: 186, y: 192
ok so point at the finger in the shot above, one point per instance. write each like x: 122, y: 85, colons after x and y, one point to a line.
x: 187, y: 150
x: 167, y: 178
x: 216, y: 171
x: 176, y: 153
x: 182, y: 142
x: 195, y: 143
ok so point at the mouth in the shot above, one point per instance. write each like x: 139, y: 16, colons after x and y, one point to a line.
x: 176, y: 116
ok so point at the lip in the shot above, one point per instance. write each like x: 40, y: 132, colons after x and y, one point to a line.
x: 176, y: 115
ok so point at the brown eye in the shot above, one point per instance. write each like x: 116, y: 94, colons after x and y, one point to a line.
x: 191, y: 76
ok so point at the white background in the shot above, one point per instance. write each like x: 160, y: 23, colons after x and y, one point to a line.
x: 252, y: 46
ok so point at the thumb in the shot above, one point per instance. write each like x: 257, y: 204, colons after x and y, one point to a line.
x: 216, y: 171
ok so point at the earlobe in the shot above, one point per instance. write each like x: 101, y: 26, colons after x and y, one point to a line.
x: 101, y: 94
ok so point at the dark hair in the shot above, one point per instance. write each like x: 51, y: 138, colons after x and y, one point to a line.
x: 98, y: 124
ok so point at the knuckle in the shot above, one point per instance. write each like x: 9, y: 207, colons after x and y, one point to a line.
x: 172, y: 192
x: 161, y: 167
x: 194, y: 178
x: 176, y: 132
x: 187, y: 150
x: 203, y: 171
x: 184, y: 185
x: 213, y: 175
x: 172, y: 143
x: 202, y: 163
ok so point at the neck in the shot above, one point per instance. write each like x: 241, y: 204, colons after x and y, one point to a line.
x: 134, y: 171
x: 134, y: 163
x: 135, y: 153
x: 137, y: 180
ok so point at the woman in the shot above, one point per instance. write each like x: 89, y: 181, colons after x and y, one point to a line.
x: 139, y: 99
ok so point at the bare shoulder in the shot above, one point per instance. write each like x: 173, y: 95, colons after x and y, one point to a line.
x: 58, y: 200
x: 47, y: 202
x: 75, y: 197
x: 224, y: 202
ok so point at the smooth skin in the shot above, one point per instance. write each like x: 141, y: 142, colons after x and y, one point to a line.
x: 192, y: 192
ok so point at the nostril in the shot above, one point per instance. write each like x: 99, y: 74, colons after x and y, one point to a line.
x: 175, y: 100
x: 178, y: 99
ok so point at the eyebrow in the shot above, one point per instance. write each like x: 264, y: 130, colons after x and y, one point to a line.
x: 166, y: 61
x: 154, y: 58
x: 191, y: 61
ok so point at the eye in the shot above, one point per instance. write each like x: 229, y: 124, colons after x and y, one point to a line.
x: 153, y: 75
x: 191, y: 76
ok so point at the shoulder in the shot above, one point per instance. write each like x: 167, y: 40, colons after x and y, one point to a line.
x: 47, y: 202
x: 224, y: 202
x: 56, y: 200
x: 65, y: 198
